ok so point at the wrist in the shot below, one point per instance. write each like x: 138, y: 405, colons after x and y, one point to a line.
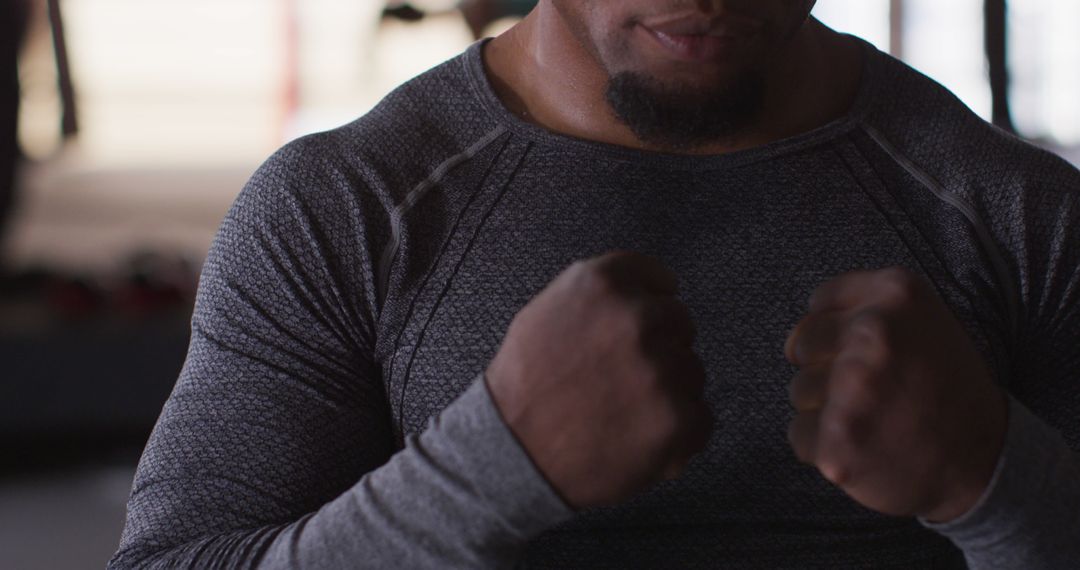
x: 970, y: 483
x: 525, y: 499
x: 958, y: 503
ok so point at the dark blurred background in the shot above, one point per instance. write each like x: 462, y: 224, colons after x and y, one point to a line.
x: 138, y: 122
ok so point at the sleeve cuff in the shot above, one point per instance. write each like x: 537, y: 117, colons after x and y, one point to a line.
x: 1034, y: 488
x: 499, y: 467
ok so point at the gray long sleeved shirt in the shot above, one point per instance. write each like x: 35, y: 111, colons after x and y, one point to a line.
x: 330, y: 414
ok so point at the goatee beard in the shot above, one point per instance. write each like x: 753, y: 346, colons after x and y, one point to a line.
x: 679, y: 118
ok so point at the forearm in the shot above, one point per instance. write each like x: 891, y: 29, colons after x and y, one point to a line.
x: 1029, y: 516
x: 461, y: 495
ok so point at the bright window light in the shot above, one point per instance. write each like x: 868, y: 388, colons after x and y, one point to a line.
x: 945, y: 41
x: 868, y: 19
x: 940, y: 39
x: 1045, y: 66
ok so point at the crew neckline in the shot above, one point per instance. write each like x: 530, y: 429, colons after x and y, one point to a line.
x: 473, y: 61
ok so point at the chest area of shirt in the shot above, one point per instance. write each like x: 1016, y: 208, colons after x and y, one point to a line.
x: 749, y: 247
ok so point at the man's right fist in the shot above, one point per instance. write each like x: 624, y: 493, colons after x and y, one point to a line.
x: 598, y: 380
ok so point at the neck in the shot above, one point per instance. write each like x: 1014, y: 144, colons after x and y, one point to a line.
x: 543, y: 74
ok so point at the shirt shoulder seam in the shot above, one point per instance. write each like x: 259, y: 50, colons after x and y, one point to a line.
x: 967, y: 210
x: 390, y: 251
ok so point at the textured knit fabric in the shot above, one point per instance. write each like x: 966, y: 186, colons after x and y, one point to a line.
x: 331, y: 414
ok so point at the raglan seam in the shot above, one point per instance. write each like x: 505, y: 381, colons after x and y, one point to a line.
x: 446, y: 286
x: 982, y: 232
x: 412, y: 308
x: 397, y: 215
x: 880, y: 209
x: 941, y: 267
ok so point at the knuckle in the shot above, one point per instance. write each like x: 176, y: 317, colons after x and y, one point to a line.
x: 666, y: 425
x: 835, y: 471
x: 854, y: 373
x: 899, y: 284
x: 860, y: 387
x: 653, y: 381
x: 839, y: 429
x: 871, y: 326
x: 869, y: 333
x: 592, y: 279
x: 848, y: 432
x: 580, y: 268
x: 610, y: 263
x: 579, y: 276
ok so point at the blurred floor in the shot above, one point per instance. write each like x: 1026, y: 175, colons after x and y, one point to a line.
x: 62, y: 521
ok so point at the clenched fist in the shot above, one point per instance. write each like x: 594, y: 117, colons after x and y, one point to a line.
x: 894, y: 404
x: 597, y: 379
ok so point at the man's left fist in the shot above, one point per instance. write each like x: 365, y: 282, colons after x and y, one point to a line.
x: 893, y: 402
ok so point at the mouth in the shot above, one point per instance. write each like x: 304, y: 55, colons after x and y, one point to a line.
x: 697, y: 39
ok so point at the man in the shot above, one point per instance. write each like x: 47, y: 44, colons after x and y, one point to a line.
x: 547, y: 305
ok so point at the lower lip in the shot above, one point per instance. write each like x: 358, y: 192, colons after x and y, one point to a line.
x: 694, y: 48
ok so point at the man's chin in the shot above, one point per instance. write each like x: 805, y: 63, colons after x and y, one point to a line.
x: 685, y: 113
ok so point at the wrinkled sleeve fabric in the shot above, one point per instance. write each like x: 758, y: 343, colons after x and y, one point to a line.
x: 1029, y: 517
x: 275, y: 449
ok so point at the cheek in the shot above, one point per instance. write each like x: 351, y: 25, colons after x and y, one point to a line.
x: 610, y: 41
x: 589, y: 23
